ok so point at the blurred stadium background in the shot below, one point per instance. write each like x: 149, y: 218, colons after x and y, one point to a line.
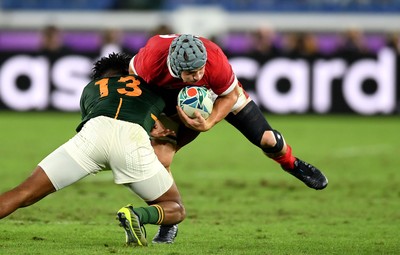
x: 307, y: 58
x: 293, y: 56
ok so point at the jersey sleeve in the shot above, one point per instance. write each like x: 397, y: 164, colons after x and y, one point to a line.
x: 150, y: 58
x: 82, y: 105
x: 222, y: 79
x: 138, y: 64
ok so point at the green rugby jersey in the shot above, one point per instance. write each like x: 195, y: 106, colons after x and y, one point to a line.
x: 121, y: 97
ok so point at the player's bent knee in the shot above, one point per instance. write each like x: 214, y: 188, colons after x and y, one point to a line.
x: 177, y: 213
x: 273, y: 143
x: 182, y: 213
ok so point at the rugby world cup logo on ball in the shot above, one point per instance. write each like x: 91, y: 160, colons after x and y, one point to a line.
x: 192, y: 99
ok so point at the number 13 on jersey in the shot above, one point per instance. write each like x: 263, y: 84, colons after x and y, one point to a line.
x: 131, y: 86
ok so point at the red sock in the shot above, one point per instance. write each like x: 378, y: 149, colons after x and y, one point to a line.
x: 287, y: 160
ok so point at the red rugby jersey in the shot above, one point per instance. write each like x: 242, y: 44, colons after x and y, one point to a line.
x: 150, y: 63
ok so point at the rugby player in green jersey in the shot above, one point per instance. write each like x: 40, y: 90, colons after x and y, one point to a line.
x: 118, y: 113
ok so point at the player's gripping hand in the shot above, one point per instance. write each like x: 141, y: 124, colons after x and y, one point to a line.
x: 197, y: 123
x: 159, y: 130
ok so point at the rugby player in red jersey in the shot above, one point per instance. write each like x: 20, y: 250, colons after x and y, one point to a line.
x: 174, y: 61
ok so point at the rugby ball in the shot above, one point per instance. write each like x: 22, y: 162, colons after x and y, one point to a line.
x: 193, y: 98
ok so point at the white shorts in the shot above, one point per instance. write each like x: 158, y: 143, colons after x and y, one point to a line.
x: 108, y: 144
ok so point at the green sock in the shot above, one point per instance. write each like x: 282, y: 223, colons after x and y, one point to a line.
x: 147, y: 215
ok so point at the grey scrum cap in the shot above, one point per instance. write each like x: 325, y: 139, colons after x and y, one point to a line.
x: 186, y: 53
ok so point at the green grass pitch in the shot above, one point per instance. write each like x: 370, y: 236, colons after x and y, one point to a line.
x: 237, y: 200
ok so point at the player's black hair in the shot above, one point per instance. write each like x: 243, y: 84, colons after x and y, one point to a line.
x: 114, y: 64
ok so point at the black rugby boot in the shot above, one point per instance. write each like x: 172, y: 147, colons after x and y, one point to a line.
x: 309, y: 174
x: 166, y: 234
